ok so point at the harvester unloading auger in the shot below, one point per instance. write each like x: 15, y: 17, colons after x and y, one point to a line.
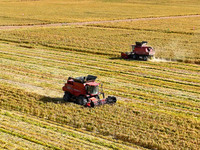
x: 85, y: 91
x: 140, y: 51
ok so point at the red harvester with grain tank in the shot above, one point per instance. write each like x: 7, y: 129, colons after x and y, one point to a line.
x: 140, y: 51
x: 85, y: 91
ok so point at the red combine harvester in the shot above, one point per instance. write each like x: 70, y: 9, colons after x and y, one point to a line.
x: 85, y: 91
x: 140, y: 51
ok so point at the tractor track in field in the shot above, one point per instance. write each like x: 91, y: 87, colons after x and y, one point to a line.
x: 94, y: 22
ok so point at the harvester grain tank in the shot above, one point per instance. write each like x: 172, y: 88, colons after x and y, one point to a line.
x: 85, y: 91
x: 140, y: 51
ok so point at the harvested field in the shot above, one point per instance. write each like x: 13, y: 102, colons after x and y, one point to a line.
x: 158, y: 100
x: 158, y: 103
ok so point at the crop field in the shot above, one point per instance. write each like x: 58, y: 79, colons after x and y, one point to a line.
x: 173, y: 38
x: 158, y: 103
x: 113, y: 38
x: 26, y: 12
x: 24, y: 132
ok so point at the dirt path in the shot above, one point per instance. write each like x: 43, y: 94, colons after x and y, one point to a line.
x: 94, y: 22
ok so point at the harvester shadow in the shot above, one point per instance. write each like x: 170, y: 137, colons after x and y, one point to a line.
x: 113, y: 58
x: 119, y: 58
x: 55, y: 100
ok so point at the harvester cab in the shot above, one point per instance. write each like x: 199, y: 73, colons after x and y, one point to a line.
x: 85, y: 91
x: 140, y: 51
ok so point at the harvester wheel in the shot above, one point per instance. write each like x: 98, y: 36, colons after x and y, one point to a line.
x: 92, y: 104
x: 145, y: 58
x: 133, y: 56
x: 66, y: 97
x: 136, y: 57
x: 81, y: 100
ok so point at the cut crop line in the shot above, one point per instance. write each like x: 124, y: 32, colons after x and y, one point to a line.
x: 3, y: 129
x: 51, y: 133
x: 131, y: 73
x: 139, y: 29
x: 61, y: 58
x: 78, y: 134
x: 94, y: 22
x: 104, y: 69
x: 90, y: 52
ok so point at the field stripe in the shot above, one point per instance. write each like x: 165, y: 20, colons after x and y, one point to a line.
x: 94, y: 22
x: 103, y: 69
x: 107, y: 121
x: 72, y: 135
x: 137, y: 85
x: 4, y: 129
